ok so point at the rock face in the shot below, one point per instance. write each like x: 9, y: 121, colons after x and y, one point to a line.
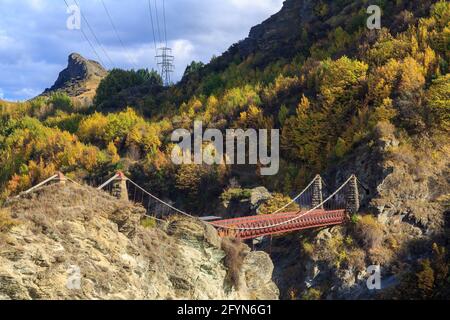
x: 266, y: 36
x: 300, y: 23
x: 80, y: 79
x: 79, y: 243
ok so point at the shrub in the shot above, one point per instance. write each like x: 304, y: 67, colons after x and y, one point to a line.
x: 148, y: 223
x: 64, y: 121
x: 355, y: 218
x: 234, y: 259
x: 276, y: 202
x: 425, y: 278
x: 292, y: 293
x: 312, y: 294
x: 308, y: 247
x: 6, y: 222
x: 356, y: 259
x: 199, y: 184
x: 438, y: 103
x: 369, y: 231
x: 235, y: 194
x: 61, y: 101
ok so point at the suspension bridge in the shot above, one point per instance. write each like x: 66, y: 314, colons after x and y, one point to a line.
x: 317, y: 207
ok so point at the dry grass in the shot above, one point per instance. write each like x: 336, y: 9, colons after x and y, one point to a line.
x: 6, y: 222
x: 356, y: 258
x: 234, y: 259
x: 369, y: 231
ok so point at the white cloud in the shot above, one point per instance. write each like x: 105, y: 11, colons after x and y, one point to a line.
x: 184, y: 51
x: 260, y: 5
x: 37, y: 5
x: 28, y: 92
x: 35, y: 43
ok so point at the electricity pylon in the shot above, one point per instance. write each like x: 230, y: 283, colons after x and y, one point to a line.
x: 165, y: 62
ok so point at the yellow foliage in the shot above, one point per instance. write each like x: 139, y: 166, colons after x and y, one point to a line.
x: 278, y: 201
x: 412, y: 77
x: 112, y: 153
x: 93, y: 128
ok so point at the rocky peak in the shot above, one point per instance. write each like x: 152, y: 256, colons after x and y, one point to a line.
x: 80, y: 79
x: 79, y: 69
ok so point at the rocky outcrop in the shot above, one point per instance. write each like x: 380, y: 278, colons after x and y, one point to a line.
x: 79, y: 80
x: 79, y: 243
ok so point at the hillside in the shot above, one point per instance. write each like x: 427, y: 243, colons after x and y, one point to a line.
x: 60, y: 231
x: 346, y: 100
x: 302, y: 29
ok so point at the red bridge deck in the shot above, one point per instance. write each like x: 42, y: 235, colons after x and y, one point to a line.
x: 314, y: 219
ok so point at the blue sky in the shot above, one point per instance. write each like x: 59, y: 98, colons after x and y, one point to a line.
x: 35, y: 42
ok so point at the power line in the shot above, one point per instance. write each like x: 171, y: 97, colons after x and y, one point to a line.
x: 157, y: 22
x: 115, y: 30
x: 89, y: 41
x: 153, y: 26
x: 95, y: 36
x: 164, y: 16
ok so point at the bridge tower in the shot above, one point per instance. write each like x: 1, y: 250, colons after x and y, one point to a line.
x: 119, y: 189
x: 61, y: 178
x: 352, y: 196
x: 317, y: 195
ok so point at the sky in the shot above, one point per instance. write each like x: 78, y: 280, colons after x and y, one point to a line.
x: 35, y: 40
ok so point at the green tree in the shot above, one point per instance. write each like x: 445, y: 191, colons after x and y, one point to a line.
x: 114, y: 90
x: 438, y: 103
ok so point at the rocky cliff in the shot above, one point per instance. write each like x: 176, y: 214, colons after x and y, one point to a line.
x: 299, y: 24
x: 78, y: 243
x: 79, y: 80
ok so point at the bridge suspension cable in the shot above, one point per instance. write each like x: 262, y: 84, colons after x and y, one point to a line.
x: 287, y: 221
x: 120, y: 176
x: 298, y: 196
x: 161, y: 201
x: 43, y: 183
x: 297, y: 217
x: 58, y: 176
x: 192, y: 216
